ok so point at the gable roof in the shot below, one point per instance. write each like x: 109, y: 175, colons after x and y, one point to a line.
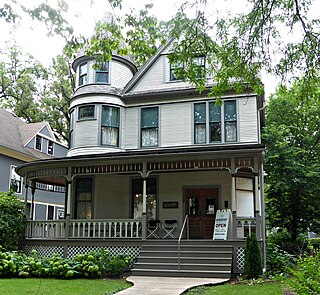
x: 15, y: 134
x: 136, y: 78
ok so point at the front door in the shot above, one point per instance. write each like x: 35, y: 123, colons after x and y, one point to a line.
x: 201, y: 206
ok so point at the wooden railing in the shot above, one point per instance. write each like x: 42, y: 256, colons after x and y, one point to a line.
x: 84, y: 229
x: 245, y: 226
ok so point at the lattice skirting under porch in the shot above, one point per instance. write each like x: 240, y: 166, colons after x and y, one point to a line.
x: 240, y: 258
x: 49, y: 251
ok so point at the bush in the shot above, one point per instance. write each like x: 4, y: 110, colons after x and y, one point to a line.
x: 252, y: 258
x: 91, y: 265
x: 307, y: 275
x: 11, y: 220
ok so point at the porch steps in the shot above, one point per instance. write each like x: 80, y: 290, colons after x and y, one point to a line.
x: 198, y: 258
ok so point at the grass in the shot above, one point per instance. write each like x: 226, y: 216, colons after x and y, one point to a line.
x: 275, y: 288
x: 61, y: 287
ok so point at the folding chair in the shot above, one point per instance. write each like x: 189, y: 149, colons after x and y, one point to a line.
x: 169, y: 227
x: 153, y: 228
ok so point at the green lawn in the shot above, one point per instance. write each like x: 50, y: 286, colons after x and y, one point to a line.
x: 61, y: 287
x: 237, y: 289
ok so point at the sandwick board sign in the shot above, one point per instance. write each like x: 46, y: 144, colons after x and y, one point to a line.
x: 221, y: 224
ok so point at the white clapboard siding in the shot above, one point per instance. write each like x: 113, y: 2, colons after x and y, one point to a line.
x: 90, y: 150
x: 132, y: 128
x: 122, y: 130
x: 157, y: 77
x: 248, y: 120
x: 175, y: 125
x: 86, y: 133
x: 119, y: 74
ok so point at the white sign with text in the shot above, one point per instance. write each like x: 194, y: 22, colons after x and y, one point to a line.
x: 221, y: 224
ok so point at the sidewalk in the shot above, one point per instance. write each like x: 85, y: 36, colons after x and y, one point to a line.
x: 165, y: 285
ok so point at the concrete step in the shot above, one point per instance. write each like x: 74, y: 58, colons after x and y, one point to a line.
x: 181, y: 273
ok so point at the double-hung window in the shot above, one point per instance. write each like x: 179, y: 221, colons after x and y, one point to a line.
x: 102, y: 72
x: 214, y: 123
x: 149, y: 127
x: 199, y: 63
x: 15, y: 181
x: 86, y: 112
x: 174, y: 71
x: 38, y: 144
x: 110, y: 126
x: 83, y: 202
x: 83, y: 74
x: 50, y: 147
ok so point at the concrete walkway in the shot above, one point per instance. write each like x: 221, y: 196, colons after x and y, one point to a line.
x: 165, y: 285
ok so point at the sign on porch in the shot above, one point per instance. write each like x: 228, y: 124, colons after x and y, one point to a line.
x: 221, y: 224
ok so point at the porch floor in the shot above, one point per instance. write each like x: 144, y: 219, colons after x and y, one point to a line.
x: 170, y: 286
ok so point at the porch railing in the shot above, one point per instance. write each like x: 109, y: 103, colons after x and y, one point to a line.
x: 245, y: 227
x: 84, y: 229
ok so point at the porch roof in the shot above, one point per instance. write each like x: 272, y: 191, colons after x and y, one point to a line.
x: 54, y: 171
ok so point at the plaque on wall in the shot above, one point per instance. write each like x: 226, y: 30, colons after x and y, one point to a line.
x: 170, y: 205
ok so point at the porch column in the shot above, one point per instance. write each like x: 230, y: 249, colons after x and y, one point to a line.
x: 234, y: 206
x: 26, y: 198
x: 257, y: 207
x: 69, y: 186
x: 144, y: 175
x: 33, y: 191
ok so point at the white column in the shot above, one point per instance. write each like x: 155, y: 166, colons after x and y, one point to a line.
x: 144, y: 196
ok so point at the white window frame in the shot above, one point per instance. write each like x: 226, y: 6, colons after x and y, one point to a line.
x: 158, y: 127
x: 52, y: 153
x: 20, y: 179
x: 87, y: 117
x: 35, y: 143
x: 207, y: 124
x: 97, y: 71
x: 83, y: 75
x: 104, y: 125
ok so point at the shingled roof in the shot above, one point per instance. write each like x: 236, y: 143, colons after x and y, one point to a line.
x: 15, y: 133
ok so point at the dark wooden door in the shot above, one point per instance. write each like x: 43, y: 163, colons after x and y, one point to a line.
x: 201, y: 206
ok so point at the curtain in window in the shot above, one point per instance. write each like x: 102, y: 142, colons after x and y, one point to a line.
x: 109, y: 135
x: 215, y: 122
x: 149, y: 137
x: 230, y: 117
x: 200, y: 123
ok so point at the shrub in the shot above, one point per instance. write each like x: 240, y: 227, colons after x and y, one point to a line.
x: 11, y: 220
x: 117, y: 265
x: 252, y: 258
x: 307, y: 275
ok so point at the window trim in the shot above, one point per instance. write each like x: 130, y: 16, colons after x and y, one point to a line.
x: 41, y: 143
x: 97, y: 71
x: 83, y: 75
x: 76, y: 196
x: 172, y: 68
x: 118, y: 128
x: 158, y: 127
x: 50, y: 141
x: 87, y: 117
x: 223, y: 121
x: 12, y: 168
x: 71, y: 127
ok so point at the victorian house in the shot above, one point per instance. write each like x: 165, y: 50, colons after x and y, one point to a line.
x: 151, y: 162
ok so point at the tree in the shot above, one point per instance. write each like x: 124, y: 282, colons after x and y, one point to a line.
x: 292, y: 137
x: 252, y: 258
x: 11, y: 220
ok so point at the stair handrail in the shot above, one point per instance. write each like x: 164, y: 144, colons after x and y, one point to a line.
x: 180, y: 236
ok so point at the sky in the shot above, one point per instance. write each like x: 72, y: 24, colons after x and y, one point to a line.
x: 33, y: 39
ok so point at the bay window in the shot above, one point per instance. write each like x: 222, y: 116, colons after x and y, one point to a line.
x: 110, y: 126
x: 149, y: 127
x: 86, y: 112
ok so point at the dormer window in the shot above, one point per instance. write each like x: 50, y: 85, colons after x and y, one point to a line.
x: 86, y: 112
x: 174, y: 71
x: 50, y: 147
x: 38, y: 144
x: 83, y: 74
x: 102, y: 72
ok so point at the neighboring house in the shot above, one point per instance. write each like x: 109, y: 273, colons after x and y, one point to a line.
x: 22, y: 143
x: 146, y: 146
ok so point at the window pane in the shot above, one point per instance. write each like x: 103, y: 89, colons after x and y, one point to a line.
x: 38, y: 143
x: 50, y: 147
x: 83, y: 69
x: 83, y: 80
x: 193, y: 206
x: 215, y: 132
x: 102, y: 77
x: 200, y: 133
x: 230, y: 113
x: 200, y: 113
x: 110, y: 116
x: 230, y: 131
x: 84, y: 210
x: 149, y: 117
x: 109, y: 135
x: 86, y: 112
x: 214, y: 112
x: 149, y: 137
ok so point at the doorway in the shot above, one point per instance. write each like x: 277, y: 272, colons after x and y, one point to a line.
x: 201, y: 206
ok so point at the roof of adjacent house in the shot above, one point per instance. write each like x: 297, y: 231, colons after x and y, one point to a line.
x: 15, y: 134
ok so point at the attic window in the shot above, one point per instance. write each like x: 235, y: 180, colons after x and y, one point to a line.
x: 174, y: 71
x: 38, y: 145
x: 102, y: 72
x: 50, y: 147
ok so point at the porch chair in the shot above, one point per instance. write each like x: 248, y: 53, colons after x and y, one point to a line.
x: 169, y: 227
x: 153, y: 228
